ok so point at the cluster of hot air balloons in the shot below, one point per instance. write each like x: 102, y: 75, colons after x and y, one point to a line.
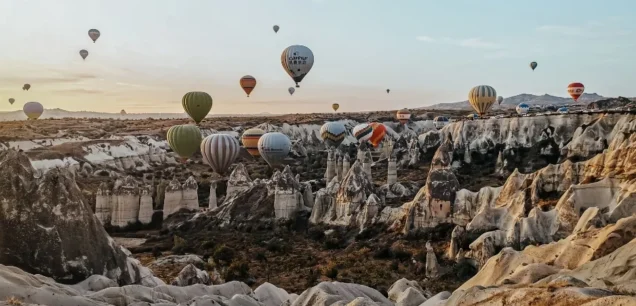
x: 272, y: 147
x: 372, y: 132
x: 94, y: 34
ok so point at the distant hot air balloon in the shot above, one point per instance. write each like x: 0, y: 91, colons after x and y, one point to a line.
x: 379, y: 130
x: 26, y: 87
x: 576, y: 90
x: 481, y: 98
x: 83, y: 53
x: 291, y: 90
x: 362, y: 132
x: 274, y: 147
x: 248, y: 83
x: 297, y: 61
x: 250, y: 140
x: 197, y: 105
x: 335, y: 106
x: 276, y: 28
x: 33, y: 110
x: 533, y: 65
x: 403, y: 115
x: 123, y: 112
x: 11, y: 100
x: 220, y: 151
x: 388, y: 90
x: 563, y: 110
x: 499, y: 100
x: 333, y: 133
x: 94, y: 34
x: 184, y: 140
x: 522, y: 108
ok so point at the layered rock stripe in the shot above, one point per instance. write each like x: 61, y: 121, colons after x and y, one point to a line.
x: 220, y: 151
x: 197, y: 105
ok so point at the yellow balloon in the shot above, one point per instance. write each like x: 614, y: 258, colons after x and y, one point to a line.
x: 481, y: 98
x: 335, y: 106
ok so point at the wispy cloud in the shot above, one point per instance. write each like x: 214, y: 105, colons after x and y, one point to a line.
x: 561, y: 29
x: 475, y: 42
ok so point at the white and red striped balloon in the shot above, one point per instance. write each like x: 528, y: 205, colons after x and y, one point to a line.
x: 220, y: 151
x: 576, y: 90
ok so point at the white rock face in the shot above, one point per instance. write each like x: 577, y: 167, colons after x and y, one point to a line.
x: 179, y: 196
x: 392, y: 171
x: 288, y: 198
x: 239, y: 180
x: 126, y: 204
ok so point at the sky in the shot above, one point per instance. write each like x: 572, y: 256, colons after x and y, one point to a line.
x: 151, y: 52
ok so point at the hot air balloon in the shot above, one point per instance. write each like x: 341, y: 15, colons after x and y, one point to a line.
x: 563, y: 110
x: 94, y: 34
x: 83, y: 53
x: 274, y: 147
x: 481, y: 98
x: 533, y: 65
x: 11, y: 100
x: 379, y: 130
x: 403, y: 115
x: 33, y: 110
x: 440, y: 121
x: 184, y: 140
x: 197, y: 104
x: 499, y: 100
x: 335, y: 106
x: 388, y: 90
x: 522, y: 108
x: 250, y: 140
x: 248, y: 83
x: 291, y: 90
x: 333, y: 133
x: 576, y: 90
x: 276, y: 28
x: 297, y: 60
x: 26, y: 87
x: 362, y: 132
x: 220, y: 151
x: 123, y: 112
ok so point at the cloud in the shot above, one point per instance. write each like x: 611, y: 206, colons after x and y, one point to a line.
x: 474, y: 43
x: 425, y: 38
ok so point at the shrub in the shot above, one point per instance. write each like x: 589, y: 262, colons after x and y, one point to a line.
x: 330, y: 271
x: 224, y: 254
x: 238, y: 270
x: 179, y: 245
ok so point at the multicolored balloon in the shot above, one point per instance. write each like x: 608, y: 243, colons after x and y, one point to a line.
x: 11, y: 100
x: 379, y: 130
x: 220, y: 151
x: 499, y: 100
x: 291, y: 90
x: 197, y: 105
x: 333, y: 133
x: 297, y: 61
x: 250, y: 140
x: 576, y: 90
x: 184, y: 140
x: 403, y: 115
x: 26, y: 87
x: 248, y: 83
x: 481, y: 98
x: 274, y: 147
x: 362, y: 132
x: 533, y: 65
x: 33, y: 110
x: 94, y: 34
x: 522, y: 108
x: 83, y: 53
x: 335, y: 106
x: 276, y: 28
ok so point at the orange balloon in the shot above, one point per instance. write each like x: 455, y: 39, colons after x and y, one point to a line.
x: 248, y: 83
x: 379, y: 130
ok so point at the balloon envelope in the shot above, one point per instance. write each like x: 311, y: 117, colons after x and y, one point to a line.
x: 388, y: 90
x: 83, y: 53
x: 248, y: 83
x: 94, y: 34
x: 33, y: 110
x: 197, y: 105
x: 250, y: 140
x: 276, y: 28
x: 11, y: 100
x: 379, y: 130
x: 576, y: 90
x: 362, y: 132
x: 184, y: 139
x: 220, y: 151
x: 403, y: 115
x: 297, y: 61
x: 481, y: 98
x: 335, y: 106
x: 333, y: 133
x: 26, y: 87
x: 291, y: 90
x: 533, y: 65
x: 522, y: 108
x: 274, y: 147
x: 499, y: 100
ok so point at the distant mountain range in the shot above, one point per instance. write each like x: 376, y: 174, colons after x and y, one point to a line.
x: 57, y: 113
x: 510, y: 102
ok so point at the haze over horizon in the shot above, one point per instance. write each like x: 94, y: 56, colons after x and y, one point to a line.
x: 153, y: 51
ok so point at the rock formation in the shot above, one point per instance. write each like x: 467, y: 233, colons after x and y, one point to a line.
x: 288, y: 198
x: 392, y: 171
x: 330, y: 173
x: 179, y: 196
x: 239, y: 180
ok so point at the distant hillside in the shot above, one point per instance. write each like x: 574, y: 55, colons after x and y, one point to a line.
x: 57, y: 113
x: 524, y: 98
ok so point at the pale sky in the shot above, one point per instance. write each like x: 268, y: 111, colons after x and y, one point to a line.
x: 151, y: 52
